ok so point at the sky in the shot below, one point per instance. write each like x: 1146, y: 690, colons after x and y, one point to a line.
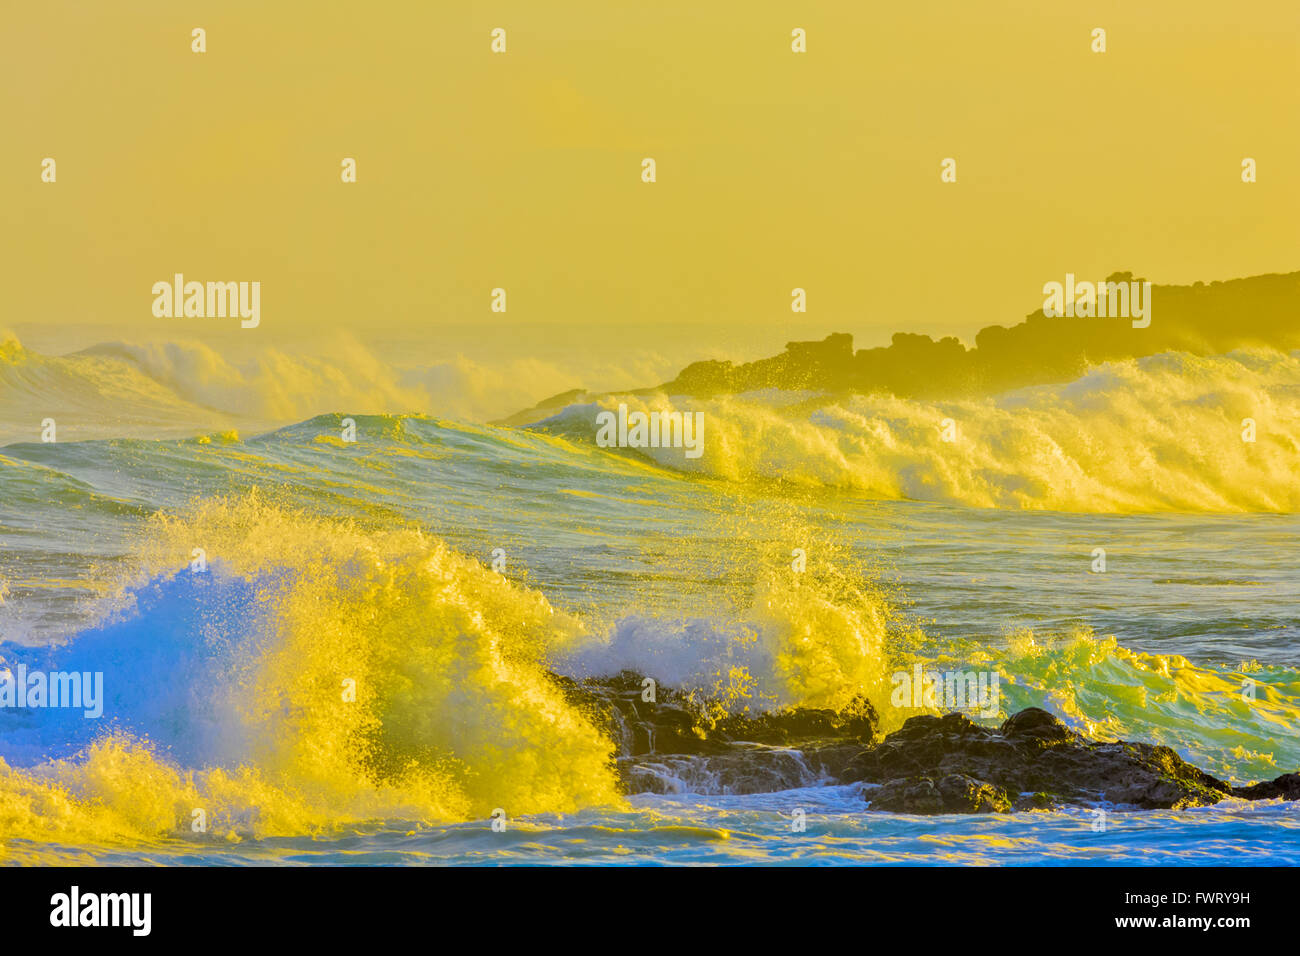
x: 523, y: 170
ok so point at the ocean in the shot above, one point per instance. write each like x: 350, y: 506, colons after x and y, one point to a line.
x: 321, y: 650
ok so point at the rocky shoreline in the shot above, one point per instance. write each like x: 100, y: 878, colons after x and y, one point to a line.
x: 933, y: 764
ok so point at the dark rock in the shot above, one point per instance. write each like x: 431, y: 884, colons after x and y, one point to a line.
x: 1035, y: 801
x: 961, y: 794
x: 674, y: 723
x: 1033, y: 724
x: 674, y: 742
x: 1286, y: 786
x: 932, y: 764
x: 955, y: 793
x: 909, y: 795
x: 758, y: 770
x: 857, y: 721
x: 1033, y: 752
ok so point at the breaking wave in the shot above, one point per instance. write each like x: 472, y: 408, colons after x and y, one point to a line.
x: 228, y: 691
x: 1163, y: 433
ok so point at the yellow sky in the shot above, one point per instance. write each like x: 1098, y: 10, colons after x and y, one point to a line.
x: 522, y: 170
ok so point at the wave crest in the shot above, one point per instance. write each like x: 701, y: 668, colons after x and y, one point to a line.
x: 1162, y: 433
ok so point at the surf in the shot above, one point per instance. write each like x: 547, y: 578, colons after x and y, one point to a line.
x: 226, y: 692
x: 1166, y: 433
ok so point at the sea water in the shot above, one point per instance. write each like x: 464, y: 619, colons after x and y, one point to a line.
x: 442, y: 570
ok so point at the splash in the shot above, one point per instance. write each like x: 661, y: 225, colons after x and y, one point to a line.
x: 816, y: 638
x: 1237, y: 722
x: 228, y: 690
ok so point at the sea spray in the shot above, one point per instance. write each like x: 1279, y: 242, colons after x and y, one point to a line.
x: 454, y: 715
x: 817, y: 638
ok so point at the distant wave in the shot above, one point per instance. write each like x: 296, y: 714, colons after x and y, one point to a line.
x: 171, y: 389
x: 1162, y: 433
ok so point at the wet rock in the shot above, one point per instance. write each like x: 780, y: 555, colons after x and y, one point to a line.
x: 675, y: 724
x: 910, y: 795
x: 760, y: 770
x: 932, y: 764
x: 672, y: 743
x: 1286, y: 786
x: 1035, y: 725
x: 954, y: 793
x: 1035, y: 801
x: 1034, y: 752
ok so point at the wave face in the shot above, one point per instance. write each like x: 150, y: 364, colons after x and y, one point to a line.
x: 1162, y: 433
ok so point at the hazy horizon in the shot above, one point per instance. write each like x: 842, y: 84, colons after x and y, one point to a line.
x: 521, y: 171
